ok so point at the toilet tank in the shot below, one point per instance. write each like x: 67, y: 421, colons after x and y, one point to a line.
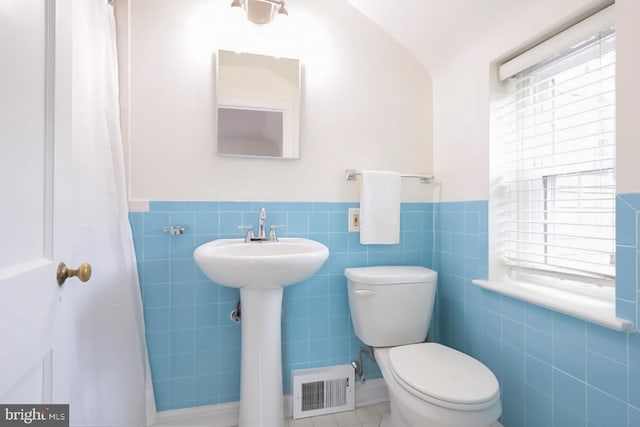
x: 391, y: 305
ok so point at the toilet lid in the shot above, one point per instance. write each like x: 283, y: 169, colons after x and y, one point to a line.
x: 443, y: 373
x: 390, y: 275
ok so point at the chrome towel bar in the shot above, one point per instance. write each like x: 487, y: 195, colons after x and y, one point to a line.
x: 351, y: 174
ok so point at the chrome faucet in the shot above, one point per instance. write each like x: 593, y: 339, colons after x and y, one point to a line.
x: 262, y: 219
x: 261, y: 235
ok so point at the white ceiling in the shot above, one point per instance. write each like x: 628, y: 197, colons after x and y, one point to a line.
x: 431, y: 30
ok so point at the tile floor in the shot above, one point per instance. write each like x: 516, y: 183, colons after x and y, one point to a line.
x: 365, y: 416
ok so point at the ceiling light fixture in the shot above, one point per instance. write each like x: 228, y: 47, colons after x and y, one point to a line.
x: 261, y: 11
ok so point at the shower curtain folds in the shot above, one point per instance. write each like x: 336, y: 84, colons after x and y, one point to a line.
x: 111, y: 383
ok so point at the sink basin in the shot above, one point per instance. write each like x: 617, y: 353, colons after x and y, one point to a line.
x: 236, y: 263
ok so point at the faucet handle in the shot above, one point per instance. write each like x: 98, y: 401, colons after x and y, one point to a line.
x: 249, y: 234
x: 272, y: 232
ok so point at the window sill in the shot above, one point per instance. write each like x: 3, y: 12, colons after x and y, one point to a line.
x: 595, y: 310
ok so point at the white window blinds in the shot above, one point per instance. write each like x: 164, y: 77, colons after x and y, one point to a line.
x: 557, y: 125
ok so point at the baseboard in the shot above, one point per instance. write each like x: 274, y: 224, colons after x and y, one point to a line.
x: 226, y: 414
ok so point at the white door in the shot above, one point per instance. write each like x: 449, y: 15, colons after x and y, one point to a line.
x: 35, y: 199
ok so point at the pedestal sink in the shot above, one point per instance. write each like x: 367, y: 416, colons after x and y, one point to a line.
x: 261, y: 270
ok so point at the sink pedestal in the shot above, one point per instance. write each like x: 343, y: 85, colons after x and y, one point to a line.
x: 261, y: 270
x: 261, y: 403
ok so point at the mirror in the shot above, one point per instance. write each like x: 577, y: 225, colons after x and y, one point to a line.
x: 258, y: 105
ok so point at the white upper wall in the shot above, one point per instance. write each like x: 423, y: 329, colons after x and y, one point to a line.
x: 434, y: 30
x: 366, y: 102
x: 628, y: 96
x: 461, y: 87
x: 458, y: 40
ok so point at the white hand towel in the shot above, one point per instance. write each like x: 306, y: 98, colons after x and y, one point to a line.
x: 380, y: 208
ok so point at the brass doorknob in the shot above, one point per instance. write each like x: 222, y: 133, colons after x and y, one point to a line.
x: 83, y: 273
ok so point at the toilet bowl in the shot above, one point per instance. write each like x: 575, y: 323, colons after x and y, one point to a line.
x: 437, y: 386
x: 429, y: 384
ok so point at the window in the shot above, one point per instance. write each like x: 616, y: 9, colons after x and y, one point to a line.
x: 555, y: 135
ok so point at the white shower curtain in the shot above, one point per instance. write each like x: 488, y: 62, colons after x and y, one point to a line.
x: 111, y: 383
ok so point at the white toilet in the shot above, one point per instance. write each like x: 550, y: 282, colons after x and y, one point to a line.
x: 430, y: 385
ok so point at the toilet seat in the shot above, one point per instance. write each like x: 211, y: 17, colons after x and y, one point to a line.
x: 444, y: 376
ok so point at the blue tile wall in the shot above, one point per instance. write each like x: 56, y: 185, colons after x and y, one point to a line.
x: 554, y: 370
x: 627, y: 256
x: 194, y: 347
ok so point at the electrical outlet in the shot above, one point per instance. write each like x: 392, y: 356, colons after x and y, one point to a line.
x: 354, y: 220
